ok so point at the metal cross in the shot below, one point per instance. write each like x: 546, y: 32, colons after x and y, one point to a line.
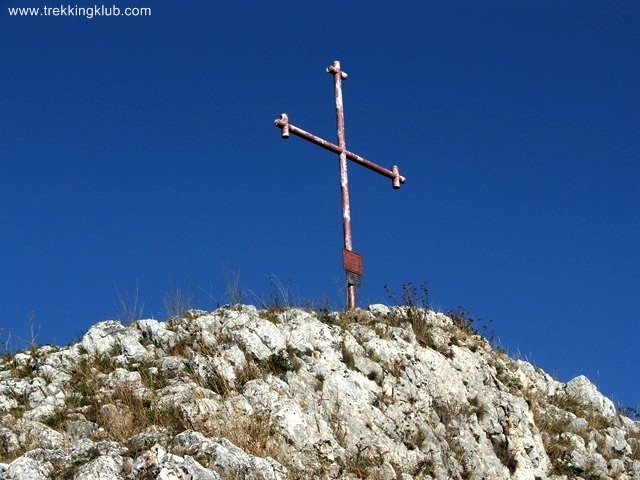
x: 352, y: 261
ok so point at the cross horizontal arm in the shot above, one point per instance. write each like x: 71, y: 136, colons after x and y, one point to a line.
x: 287, y: 128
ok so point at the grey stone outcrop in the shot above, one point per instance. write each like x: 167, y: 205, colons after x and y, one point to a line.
x: 388, y: 393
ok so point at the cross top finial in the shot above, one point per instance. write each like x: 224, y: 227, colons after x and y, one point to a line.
x: 334, y: 69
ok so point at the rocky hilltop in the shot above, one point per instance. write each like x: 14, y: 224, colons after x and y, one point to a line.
x: 241, y: 393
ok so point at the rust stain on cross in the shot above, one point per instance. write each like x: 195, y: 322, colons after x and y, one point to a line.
x: 352, y: 262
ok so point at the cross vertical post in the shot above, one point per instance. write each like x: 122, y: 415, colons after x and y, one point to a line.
x: 338, y: 75
x: 352, y: 262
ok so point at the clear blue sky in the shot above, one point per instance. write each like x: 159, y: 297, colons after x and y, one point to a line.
x: 141, y: 151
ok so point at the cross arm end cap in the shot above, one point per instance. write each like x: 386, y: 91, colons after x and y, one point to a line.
x: 283, y: 123
x: 397, y: 179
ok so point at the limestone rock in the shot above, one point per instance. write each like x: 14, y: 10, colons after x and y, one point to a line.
x: 158, y: 463
x: 109, y: 336
x: 102, y: 468
x: 25, y: 468
x: 387, y: 393
x: 585, y: 391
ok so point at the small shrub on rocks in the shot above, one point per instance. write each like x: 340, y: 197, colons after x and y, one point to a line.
x: 278, y: 364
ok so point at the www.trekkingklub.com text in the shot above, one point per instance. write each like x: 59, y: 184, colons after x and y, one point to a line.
x: 78, y: 11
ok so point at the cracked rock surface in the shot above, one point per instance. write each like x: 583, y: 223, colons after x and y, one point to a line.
x: 240, y: 393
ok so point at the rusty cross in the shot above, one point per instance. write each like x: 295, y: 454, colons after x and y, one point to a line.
x: 352, y: 261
